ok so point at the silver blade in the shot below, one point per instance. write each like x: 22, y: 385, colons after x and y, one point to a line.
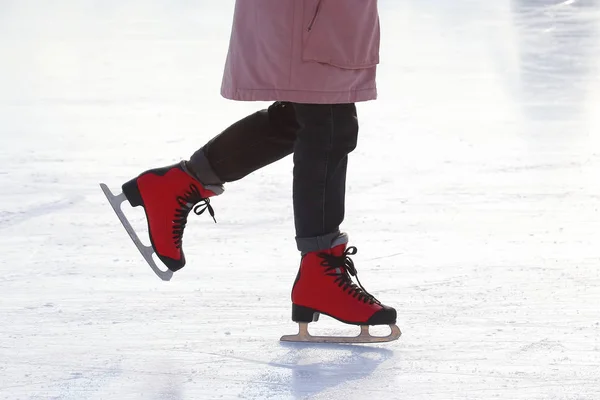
x: 364, y: 337
x: 147, y: 251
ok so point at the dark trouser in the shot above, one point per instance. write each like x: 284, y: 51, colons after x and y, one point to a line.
x: 320, y: 136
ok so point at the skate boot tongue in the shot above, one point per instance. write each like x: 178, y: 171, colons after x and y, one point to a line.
x: 339, y: 265
x: 338, y: 245
x: 339, y: 250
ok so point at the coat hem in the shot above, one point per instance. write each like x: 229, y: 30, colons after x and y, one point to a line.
x: 301, y: 96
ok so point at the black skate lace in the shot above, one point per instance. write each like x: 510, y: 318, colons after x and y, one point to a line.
x: 191, y: 200
x: 342, y: 267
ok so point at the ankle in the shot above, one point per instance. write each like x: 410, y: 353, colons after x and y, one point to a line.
x: 199, y: 167
x: 321, y: 243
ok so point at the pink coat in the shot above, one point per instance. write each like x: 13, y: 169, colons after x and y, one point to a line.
x: 303, y: 51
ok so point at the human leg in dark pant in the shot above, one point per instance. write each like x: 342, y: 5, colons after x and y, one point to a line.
x: 327, y: 134
x: 246, y: 146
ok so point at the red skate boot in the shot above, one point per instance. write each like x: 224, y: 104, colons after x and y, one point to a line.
x: 167, y: 195
x: 324, y: 286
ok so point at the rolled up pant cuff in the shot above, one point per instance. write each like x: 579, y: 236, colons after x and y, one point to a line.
x: 320, y: 243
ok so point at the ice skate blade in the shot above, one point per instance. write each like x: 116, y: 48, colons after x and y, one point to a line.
x: 146, y: 251
x: 364, y: 337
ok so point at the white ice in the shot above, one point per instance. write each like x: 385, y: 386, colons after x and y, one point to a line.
x: 473, y: 198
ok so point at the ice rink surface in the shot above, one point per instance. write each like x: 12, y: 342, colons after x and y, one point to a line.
x: 473, y: 198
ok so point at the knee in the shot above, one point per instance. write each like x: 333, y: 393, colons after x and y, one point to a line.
x: 350, y: 136
x: 345, y: 127
x: 327, y: 128
x: 282, y: 120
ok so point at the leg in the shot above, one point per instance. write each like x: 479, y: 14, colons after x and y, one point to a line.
x: 327, y: 134
x: 169, y: 194
x: 250, y: 144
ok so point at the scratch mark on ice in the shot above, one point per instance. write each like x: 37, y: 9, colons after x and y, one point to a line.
x: 11, y: 218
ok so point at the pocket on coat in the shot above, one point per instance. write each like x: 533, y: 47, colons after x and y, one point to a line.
x: 342, y: 33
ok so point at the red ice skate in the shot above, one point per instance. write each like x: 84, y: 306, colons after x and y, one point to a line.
x: 324, y: 286
x: 167, y: 195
